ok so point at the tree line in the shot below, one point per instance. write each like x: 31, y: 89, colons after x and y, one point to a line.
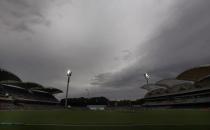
x: 83, y: 102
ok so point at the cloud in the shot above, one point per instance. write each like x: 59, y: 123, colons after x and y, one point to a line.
x: 108, y: 44
x: 21, y: 15
x: 181, y: 43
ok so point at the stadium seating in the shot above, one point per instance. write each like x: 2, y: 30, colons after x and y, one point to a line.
x: 192, y: 87
x: 15, y: 94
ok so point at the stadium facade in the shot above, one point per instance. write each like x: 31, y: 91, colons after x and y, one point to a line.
x: 15, y: 94
x: 189, y: 89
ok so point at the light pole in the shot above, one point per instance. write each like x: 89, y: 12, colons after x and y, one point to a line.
x: 67, y: 88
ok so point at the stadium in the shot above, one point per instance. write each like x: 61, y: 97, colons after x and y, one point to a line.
x: 189, y: 89
x: 19, y: 103
x: 16, y: 94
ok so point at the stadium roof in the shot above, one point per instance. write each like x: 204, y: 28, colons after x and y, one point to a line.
x: 25, y: 85
x: 151, y: 87
x: 33, y: 86
x: 187, y: 81
x: 48, y: 90
x: 166, y: 86
x: 10, y: 79
x: 53, y: 90
x: 8, y: 76
x: 172, y: 82
x: 195, y: 74
x: 30, y: 85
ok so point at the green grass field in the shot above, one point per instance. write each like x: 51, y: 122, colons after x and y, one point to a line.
x: 105, y: 120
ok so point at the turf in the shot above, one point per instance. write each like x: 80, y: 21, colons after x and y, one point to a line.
x: 105, y: 120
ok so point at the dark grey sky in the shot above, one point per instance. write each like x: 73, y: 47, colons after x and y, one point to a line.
x: 108, y: 44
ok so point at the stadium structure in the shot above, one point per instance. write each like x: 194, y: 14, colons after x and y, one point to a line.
x: 189, y: 89
x: 16, y: 94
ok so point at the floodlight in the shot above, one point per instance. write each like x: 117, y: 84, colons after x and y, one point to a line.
x: 147, y: 76
x: 69, y: 72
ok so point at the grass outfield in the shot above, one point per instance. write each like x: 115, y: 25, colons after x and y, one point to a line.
x: 105, y: 120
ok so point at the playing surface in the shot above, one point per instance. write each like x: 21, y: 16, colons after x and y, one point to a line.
x: 105, y: 120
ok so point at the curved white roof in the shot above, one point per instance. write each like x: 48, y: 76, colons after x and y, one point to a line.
x: 151, y: 87
x: 172, y: 82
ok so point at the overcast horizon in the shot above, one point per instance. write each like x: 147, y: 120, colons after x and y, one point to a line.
x: 108, y: 44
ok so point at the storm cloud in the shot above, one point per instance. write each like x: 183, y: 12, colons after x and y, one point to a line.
x: 108, y: 44
x: 182, y: 42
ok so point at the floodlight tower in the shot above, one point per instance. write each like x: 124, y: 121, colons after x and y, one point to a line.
x: 147, y: 77
x: 69, y: 73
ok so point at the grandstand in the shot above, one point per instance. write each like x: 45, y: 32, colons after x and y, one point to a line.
x: 16, y: 94
x: 189, y: 89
